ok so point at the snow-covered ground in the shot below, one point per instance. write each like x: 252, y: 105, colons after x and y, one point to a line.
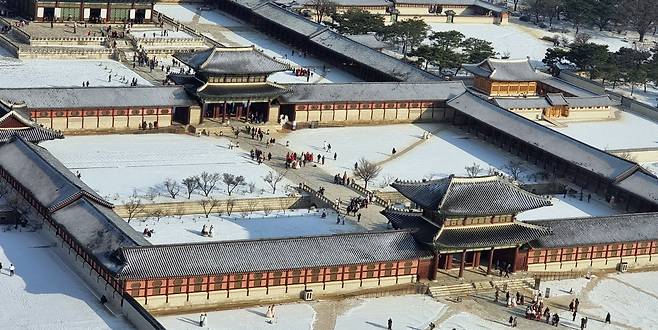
x: 45, y: 293
x: 287, y: 317
x: 406, y: 312
x: 157, y: 33
x: 15, y: 73
x: 239, y: 226
x: 236, y: 33
x: 507, y: 40
x: 653, y: 167
x: 629, y: 131
x: 569, y: 207
x: 117, y: 165
x: 447, y: 152
x: 649, y: 97
x: 468, y: 321
x: 566, y: 287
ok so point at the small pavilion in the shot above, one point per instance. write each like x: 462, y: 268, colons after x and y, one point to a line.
x: 465, y: 219
x: 496, y: 77
x: 231, y: 83
x: 15, y: 120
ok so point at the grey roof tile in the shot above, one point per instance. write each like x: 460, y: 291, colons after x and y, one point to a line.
x: 231, y: 60
x: 642, y: 185
x: 522, y: 102
x: 270, y: 254
x: 500, y: 235
x: 505, y: 70
x: 423, y: 229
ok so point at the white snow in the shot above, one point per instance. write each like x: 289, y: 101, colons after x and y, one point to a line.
x: 64, y: 73
x: 240, y: 34
x: 629, y: 131
x: 569, y: 207
x: 468, y: 321
x: 148, y: 34
x: 649, y: 97
x: 288, y: 317
x: 238, y: 226
x: 407, y: 312
x: 447, y: 152
x: 45, y: 293
x: 117, y: 165
x: 564, y: 287
x: 652, y: 167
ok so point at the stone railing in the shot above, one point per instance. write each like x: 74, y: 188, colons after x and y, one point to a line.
x: 68, y: 41
x: 186, y: 28
x: 9, y: 45
x: 186, y: 206
x: 66, y: 52
x: 320, y: 198
x: 367, y: 193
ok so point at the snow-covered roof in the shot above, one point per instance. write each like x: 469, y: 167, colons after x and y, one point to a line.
x: 477, y: 3
x: 268, y: 254
x: 641, y: 184
x: 522, y: 102
x: 98, y: 97
x: 622, y: 228
x: 591, y: 101
x: 373, y: 92
x: 553, y: 100
x: 254, y: 92
x: 566, y: 88
x: 556, y: 99
x: 369, y: 40
x: 289, y: 20
x: 14, y: 123
x: 349, y: 3
x: 505, y: 70
x: 485, y: 195
x: 231, y: 60
x: 560, y: 145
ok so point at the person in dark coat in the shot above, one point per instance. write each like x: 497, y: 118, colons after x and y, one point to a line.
x: 574, y: 316
x: 571, y: 306
x: 511, y: 319
x: 582, y: 323
x: 576, y: 303
x: 607, y: 318
x: 390, y: 324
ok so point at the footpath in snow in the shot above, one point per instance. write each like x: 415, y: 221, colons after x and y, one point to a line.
x: 237, y: 226
x: 117, y: 165
x: 45, y: 293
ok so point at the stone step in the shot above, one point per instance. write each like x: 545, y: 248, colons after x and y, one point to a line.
x: 465, y: 289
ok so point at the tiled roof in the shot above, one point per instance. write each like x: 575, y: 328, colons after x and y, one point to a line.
x: 343, y: 3
x: 478, y: 3
x: 271, y: 254
x: 26, y: 129
x: 423, y: 229
x: 643, y: 185
x: 368, y: 40
x: 566, y: 87
x: 621, y: 228
x: 560, y: 145
x: 285, y: 18
x: 98, y: 97
x: 522, y: 102
x: 499, y: 235
x: 487, y: 195
x: 556, y: 99
x: 240, y: 92
x: 505, y: 70
x: 591, y: 101
x: 231, y: 60
x: 373, y: 91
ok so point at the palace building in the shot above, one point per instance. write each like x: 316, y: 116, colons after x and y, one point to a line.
x: 231, y: 83
x: 15, y: 121
x: 112, y: 11
x: 467, y: 219
x: 495, y: 77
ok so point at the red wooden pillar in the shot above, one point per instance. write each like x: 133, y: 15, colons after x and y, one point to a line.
x: 476, y: 259
x: 434, y: 267
x: 461, y: 264
x: 516, y: 255
x: 491, y: 254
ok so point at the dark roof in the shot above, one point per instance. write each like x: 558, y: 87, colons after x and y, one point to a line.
x: 621, y: 228
x: 486, y: 195
x: 29, y: 131
x: 423, y: 229
x: 369, y: 57
x: 369, y: 40
x: 500, y: 235
x: 505, y: 70
x: 591, y: 101
x: 231, y: 60
x: 556, y: 99
x: 641, y: 184
x: 345, y: 3
x: 585, y: 156
x: 240, y: 92
x: 98, y: 97
x: 522, y: 102
x: 566, y: 87
x: 373, y: 91
x: 270, y: 254
x: 288, y: 20
x: 51, y: 183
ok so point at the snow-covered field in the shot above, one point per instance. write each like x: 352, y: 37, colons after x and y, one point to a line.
x: 15, y: 73
x: 569, y: 207
x: 572, y: 286
x: 468, y: 321
x: 406, y: 312
x: 629, y: 131
x: 239, y: 226
x: 236, y: 33
x: 447, y: 152
x: 287, y: 317
x: 157, y: 33
x: 117, y: 165
x: 649, y: 97
x: 45, y: 293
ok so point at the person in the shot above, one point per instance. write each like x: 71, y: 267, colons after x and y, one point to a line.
x: 202, y: 319
x: 574, y: 316
x: 432, y: 326
x: 496, y: 295
x: 582, y: 323
x: 556, y: 319
x: 393, y: 151
x: 358, y: 217
x: 607, y: 318
x: 335, y: 156
x: 12, y: 269
x: 390, y: 324
x: 576, y: 303
x: 511, y: 320
x: 571, y: 305
x: 514, y: 324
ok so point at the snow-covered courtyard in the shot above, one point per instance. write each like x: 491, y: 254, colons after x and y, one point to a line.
x: 287, y: 317
x: 118, y: 165
x: 240, y: 225
x: 569, y: 207
x: 448, y: 151
x: 16, y: 73
x: 151, y: 33
x: 406, y: 312
x: 232, y: 32
x: 45, y: 293
x: 629, y: 131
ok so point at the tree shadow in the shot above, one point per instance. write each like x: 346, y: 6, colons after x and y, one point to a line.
x: 188, y: 320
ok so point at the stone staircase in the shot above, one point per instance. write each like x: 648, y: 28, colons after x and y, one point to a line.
x: 466, y: 289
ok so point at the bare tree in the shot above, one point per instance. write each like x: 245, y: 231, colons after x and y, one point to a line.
x: 173, y: 188
x: 208, y: 181
x: 366, y: 171
x: 179, y: 212
x: 322, y: 8
x: 231, y: 181
x: 158, y: 213
x: 515, y: 169
x: 230, y: 204
x: 191, y: 184
x: 208, y: 204
x: 473, y: 170
x: 273, y: 179
x: 151, y: 195
x: 628, y: 156
x: 582, y: 38
x: 267, y: 210
x: 133, y: 206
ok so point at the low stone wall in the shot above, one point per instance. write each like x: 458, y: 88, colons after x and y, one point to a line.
x: 634, y: 262
x: 391, y: 196
x: 9, y: 45
x: 239, y: 205
x: 78, y: 41
x: 66, y: 53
